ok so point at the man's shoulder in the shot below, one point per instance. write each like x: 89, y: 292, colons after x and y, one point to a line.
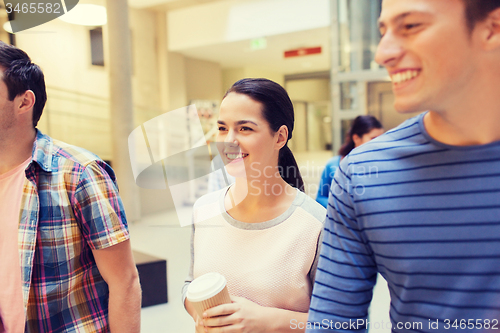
x: 73, y: 153
x: 50, y: 152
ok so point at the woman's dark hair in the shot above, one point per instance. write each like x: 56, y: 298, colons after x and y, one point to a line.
x: 360, y: 126
x: 277, y: 109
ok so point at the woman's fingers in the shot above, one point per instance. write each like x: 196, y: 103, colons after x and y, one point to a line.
x: 220, y: 310
x: 236, y: 299
x: 199, y: 325
x: 222, y: 321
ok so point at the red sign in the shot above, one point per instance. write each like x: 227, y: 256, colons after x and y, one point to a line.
x: 303, y: 52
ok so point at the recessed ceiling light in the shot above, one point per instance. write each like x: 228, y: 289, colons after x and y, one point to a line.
x: 7, y: 27
x: 86, y: 14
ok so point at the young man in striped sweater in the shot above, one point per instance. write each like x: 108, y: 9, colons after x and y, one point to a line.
x: 421, y: 203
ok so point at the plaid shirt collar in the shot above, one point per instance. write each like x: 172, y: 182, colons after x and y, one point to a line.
x: 42, y: 151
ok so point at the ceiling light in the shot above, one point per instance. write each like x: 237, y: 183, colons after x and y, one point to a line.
x: 86, y: 14
x: 7, y: 27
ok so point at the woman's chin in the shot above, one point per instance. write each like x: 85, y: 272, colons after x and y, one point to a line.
x: 236, y: 169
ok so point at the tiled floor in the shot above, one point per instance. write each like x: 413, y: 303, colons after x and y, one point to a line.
x: 161, y: 235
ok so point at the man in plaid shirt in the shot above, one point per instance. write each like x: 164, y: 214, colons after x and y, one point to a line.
x: 65, y: 259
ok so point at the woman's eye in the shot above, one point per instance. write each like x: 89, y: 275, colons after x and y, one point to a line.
x: 244, y: 128
x: 221, y: 128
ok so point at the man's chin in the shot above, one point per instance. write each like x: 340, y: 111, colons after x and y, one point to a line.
x: 405, y: 107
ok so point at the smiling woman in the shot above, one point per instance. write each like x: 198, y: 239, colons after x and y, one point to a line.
x: 257, y: 114
x: 268, y: 233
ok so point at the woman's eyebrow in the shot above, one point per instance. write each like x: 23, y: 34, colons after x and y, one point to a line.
x: 242, y: 122
x: 239, y: 122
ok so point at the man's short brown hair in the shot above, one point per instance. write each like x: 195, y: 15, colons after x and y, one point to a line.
x: 477, y: 10
x: 20, y: 75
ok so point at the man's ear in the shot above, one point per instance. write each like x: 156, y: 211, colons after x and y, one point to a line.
x: 25, y: 101
x: 492, y: 30
x: 281, y: 137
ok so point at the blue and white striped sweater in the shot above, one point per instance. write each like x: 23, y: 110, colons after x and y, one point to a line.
x: 427, y: 217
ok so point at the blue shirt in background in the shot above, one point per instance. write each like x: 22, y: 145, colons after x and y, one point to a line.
x: 326, y: 180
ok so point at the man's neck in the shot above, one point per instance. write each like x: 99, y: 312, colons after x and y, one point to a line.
x: 470, y: 119
x: 463, y: 129
x: 15, y: 148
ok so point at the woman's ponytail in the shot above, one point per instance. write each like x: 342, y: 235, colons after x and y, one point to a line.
x: 289, y: 169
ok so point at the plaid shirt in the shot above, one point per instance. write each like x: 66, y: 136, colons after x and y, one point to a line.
x: 70, y: 206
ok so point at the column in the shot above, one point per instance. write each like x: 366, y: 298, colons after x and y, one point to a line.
x: 121, y: 104
x: 334, y: 83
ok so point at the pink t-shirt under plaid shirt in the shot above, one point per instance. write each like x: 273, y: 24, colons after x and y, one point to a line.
x: 11, y: 297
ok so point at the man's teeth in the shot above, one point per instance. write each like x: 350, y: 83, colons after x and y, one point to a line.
x: 403, y: 76
x: 235, y: 156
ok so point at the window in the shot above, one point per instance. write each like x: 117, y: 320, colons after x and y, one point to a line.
x: 96, y: 47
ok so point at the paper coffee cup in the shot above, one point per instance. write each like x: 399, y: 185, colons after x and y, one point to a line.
x: 207, y: 291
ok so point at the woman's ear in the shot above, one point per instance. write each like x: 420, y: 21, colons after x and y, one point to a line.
x: 357, y: 140
x: 281, y: 137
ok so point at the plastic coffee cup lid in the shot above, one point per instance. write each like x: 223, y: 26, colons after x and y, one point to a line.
x: 205, y: 286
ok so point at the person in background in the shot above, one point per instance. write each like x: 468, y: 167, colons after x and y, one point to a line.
x: 421, y: 203
x: 65, y: 259
x: 267, y: 229
x: 363, y: 129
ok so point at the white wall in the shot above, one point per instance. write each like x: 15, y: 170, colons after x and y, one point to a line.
x: 228, y: 21
x: 231, y: 75
x: 310, y: 90
x: 203, y: 79
x: 77, y: 91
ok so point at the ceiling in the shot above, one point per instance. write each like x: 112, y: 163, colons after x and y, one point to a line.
x: 239, y: 54
x: 166, y: 4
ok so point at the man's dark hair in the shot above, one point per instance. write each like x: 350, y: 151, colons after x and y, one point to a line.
x: 477, y: 10
x: 20, y: 75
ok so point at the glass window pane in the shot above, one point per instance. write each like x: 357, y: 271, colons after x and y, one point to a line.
x: 348, y: 96
x: 358, y: 34
x: 345, y: 127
